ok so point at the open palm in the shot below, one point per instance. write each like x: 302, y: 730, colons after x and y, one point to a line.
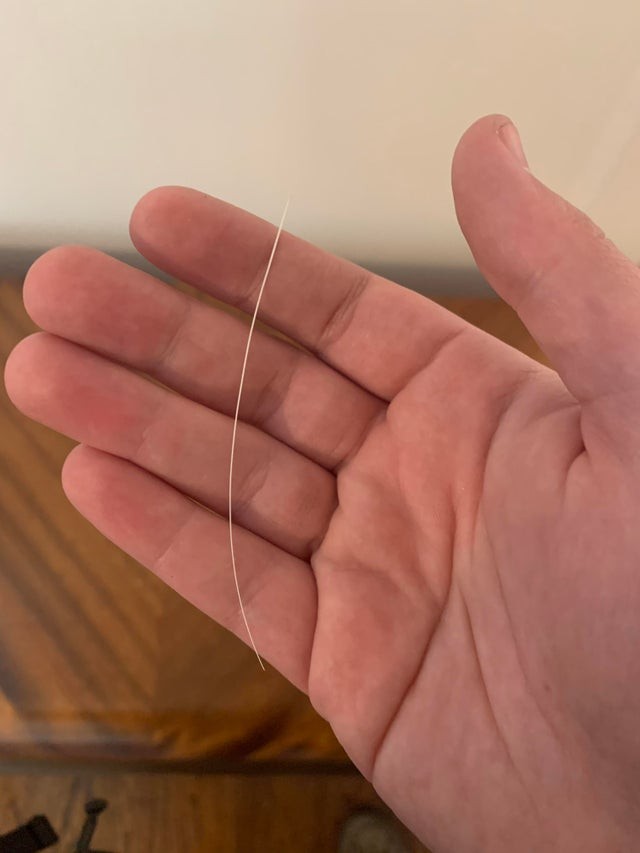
x: 436, y: 537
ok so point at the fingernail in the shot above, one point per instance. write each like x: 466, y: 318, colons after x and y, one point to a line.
x: 511, y: 138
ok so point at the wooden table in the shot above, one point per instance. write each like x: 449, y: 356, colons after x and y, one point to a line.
x: 100, y: 661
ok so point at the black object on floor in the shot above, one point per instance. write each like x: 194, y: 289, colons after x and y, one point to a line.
x: 37, y: 834
x: 93, y: 808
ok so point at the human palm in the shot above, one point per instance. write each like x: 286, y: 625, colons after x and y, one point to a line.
x: 436, y: 536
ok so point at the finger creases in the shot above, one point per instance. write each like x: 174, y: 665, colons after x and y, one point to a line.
x: 373, y: 331
x: 576, y: 292
x: 197, y: 350
x: 188, y: 548
x: 278, y: 494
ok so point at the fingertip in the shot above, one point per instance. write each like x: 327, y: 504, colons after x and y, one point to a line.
x: 78, y: 468
x: 490, y: 143
x: 86, y: 478
x: 69, y: 466
x: 157, y: 208
x: 57, y: 269
x: 177, y: 229
x: 21, y: 370
x: 480, y: 131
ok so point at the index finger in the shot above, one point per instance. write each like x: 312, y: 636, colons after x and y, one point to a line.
x: 372, y: 330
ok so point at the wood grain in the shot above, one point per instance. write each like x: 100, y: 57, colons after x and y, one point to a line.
x: 100, y: 661
x: 179, y: 813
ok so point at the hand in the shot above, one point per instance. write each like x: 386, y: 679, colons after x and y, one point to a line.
x: 437, y: 537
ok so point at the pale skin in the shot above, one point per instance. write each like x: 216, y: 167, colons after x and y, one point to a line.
x: 436, y: 537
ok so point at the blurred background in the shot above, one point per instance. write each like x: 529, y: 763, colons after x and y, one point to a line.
x: 110, y: 685
x: 354, y: 108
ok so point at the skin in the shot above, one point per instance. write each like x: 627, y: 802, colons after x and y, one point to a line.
x: 436, y: 537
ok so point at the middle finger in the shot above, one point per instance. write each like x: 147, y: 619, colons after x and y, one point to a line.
x: 97, y: 301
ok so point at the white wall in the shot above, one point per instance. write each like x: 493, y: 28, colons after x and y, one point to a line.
x: 352, y: 107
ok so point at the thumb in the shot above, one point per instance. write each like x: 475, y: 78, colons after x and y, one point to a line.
x: 578, y: 295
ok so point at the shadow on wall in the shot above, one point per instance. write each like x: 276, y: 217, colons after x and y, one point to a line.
x: 433, y: 281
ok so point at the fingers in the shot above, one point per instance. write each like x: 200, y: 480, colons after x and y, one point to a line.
x: 99, y: 302
x: 370, y: 329
x: 278, y: 494
x: 578, y: 295
x: 188, y: 548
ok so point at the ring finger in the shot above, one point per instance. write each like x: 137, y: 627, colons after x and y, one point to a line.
x: 278, y: 494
